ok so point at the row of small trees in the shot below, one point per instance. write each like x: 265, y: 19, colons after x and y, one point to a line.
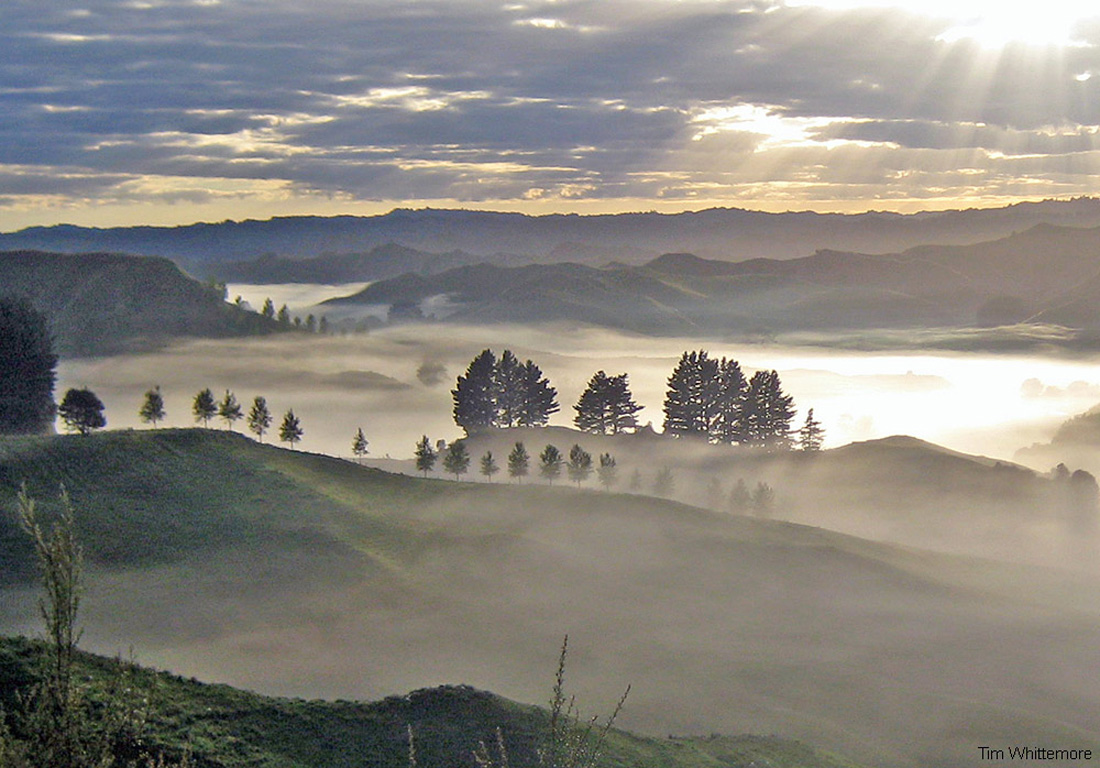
x: 204, y: 407
x: 579, y: 466
x: 283, y: 317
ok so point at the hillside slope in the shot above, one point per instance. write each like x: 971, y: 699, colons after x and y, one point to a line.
x: 297, y: 574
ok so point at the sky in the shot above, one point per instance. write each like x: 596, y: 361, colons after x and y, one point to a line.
x: 122, y: 112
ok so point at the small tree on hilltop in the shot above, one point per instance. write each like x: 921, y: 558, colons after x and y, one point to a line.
x: 518, y: 462
x: 359, y: 445
x: 82, y: 411
x: 259, y: 417
x: 663, y: 482
x: 425, y: 456
x: 812, y: 435
x: 152, y: 410
x: 763, y: 500
x: 268, y: 310
x: 550, y: 462
x: 540, y: 398
x: 27, y: 369
x: 607, y: 472
x: 580, y: 464
x: 474, y: 395
x: 489, y: 466
x: 290, y: 431
x: 229, y: 410
x: 457, y: 459
x: 204, y: 407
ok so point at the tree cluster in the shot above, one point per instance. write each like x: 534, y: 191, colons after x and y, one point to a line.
x: 606, y: 406
x: 502, y: 393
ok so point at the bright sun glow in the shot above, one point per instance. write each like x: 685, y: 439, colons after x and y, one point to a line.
x: 992, y: 23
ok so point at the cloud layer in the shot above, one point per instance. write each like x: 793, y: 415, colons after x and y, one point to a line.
x: 227, y: 104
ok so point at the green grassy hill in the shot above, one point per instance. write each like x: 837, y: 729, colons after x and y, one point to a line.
x: 302, y: 575
x: 226, y: 727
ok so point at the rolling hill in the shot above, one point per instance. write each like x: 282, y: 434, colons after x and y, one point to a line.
x: 301, y: 575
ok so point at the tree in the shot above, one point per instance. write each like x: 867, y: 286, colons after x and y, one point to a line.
x: 580, y: 464
x: 204, y: 407
x: 457, y: 459
x: 489, y: 466
x: 474, y: 395
x: 540, y: 399
x: 268, y: 310
x: 425, y: 456
x: 740, y: 500
x: 508, y: 389
x: 284, y: 316
x: 152, y: 410
x: 229, y: 409
x: 359, y: 445
x: 311, y: 323
x: 82, y: 411
x: 607, y: 472
x: 550, y: 462
x: 727, y: 425
x: 663, y: 482
x: 763, y: 500
x: 259, y: 417
x: 691, y: 398
x: 518, y: 462
x: 811, y: 435
x: 606, y: 405
x: 290, y: 431
x: 27, y: 369
x: 768, y: 412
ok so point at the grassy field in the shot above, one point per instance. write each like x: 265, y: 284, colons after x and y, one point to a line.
x: 301, y: 575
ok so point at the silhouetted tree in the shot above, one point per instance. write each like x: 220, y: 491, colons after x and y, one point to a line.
x: 359, y: 445
x: 284, y: 316
x: 580, y: 464
x: 259, y: 417
x: 663, y: 482
x: 811, y: 435
x: 540, y: 399
x: 550, y: 462
x: 229, y: 410
x: 268, y: 310
x: 607, y: 472
x: 727, y: 425
x: 606, y: 405
x: 691, y: 398
x: 489, y: 466
x: 27, y: 369
x: 152, y: 410
x: 204, y: 407
x: 518, y: 462
x: 768, y: 412
x: 474, y: 395
x: 311, y: 323
x: 290, y: 431
x: 457, y: 459
x: 509, y: 390
x: 82, y: 411
x: 425, y: 456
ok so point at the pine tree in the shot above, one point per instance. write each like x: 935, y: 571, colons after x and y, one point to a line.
x: 82, y: 411
x: 550, y: 462
x: 311, y: 323
x: 663, y: 482
x: 474, y: 395
x: 152, y: 410
x: 489, y: 466
x: 359, y: 445
x: 540, y: 399
x: 290, y: 431
x: 259, y: 417
x: 229, y: 410
x: 425, y: 456
x: 768, y: 412
x: 509, y: 390
x: 812, y: 435
x: 284, y: 316
x: 518, y: 462
x: 27, y: 369
x: 269, y: 308
x: 691, y: 399
x: 606, y: 405
x: 204, y: 407
x: 580, y: 464
x: 728, y: 426
x: 457, y: 459
x: 763, y: 500
x: 607, y: 472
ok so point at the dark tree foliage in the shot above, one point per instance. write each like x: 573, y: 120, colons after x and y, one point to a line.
x: 475, y: 395
x: 663, y: 482
x: 152, y: 410
x: 425, y: 456
x: 763, y: 500
x: 580, y: 464
x: 607, y: 472
x: 204, y: 407
x: 290, y: 431
x: 259, y: 417
x: 82, y: 411
x: 768, y: 412
x: 540, y: 399
x: 509, y: 390
x: 550, y: 462
x: 691, y: 399
x: 268, y: 310
x: 229, y: 410
x: 606, y: 405
x: 812, y: 435
x: 457, y: 459
x: 518, y: 462
x: 727, y: 425
x: 284, y: 316
x: 27, y: 369
x: 359, y: 445
x: 489, y: 466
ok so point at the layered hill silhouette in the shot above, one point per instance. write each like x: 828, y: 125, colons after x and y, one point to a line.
x: 103, y: 303
x: 720, y: 233
x: 303, y: 575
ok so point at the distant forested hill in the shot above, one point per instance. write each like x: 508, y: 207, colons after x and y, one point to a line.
x: 101, y: 303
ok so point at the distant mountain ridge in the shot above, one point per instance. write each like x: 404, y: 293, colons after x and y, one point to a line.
x: 730, y: 234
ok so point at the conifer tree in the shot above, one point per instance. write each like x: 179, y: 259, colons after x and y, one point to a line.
x: 229, y: 410
x: 540, y: 399
x: 425, y: 456
x: 663, y: 482
x: 550, y: 462
x: 359, y: 445
x: 606, y: 405
x: 727, y: 425
x: 580, y: 464
x: 268, y: 310
x: 152, y: 410
x: 509, y: 390
x: 457, y: 459
x: 607, y: 472
x: 763, y: 500
x: 290, y: 431
x: 518, y: 462
x: 204, y: 407
x: 284, y: 316
x: 474, y: 395
x: 691, y: 399
x: 768, y: 412
x: 27, y: 369
x: 489, y: 466
x: 812, y: 435
x: 259, y: 417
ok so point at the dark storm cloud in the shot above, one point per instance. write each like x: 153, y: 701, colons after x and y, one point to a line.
x: 476, y: 100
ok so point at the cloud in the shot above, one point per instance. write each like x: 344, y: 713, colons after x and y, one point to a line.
x: 473, y: 101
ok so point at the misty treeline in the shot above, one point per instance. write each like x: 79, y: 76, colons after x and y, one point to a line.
x: 311, y: 324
